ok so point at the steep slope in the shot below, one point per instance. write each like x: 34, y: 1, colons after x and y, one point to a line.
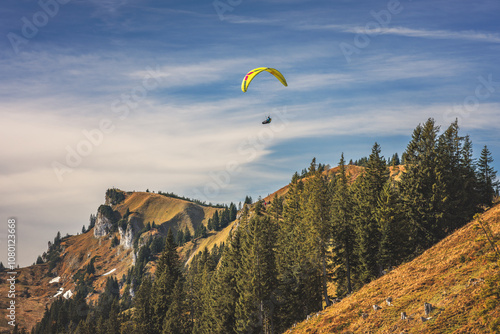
x: 452, y: 276
x: 39, y: 285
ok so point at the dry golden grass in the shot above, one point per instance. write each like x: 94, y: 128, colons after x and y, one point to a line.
x: 167, y: 211
x: 199, y: 244
x: 440, y: 276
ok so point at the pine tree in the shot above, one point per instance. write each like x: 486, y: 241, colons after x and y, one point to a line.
x: 110, y: 296
x: 57, y: 239
x: 176, y: 319
x: 422, y: 188
x: 248, y: 200
x: 201, y: 231
x: 167, y: 273
x: 469, y: 196
x: 112, y: 322
x: 233, y: 211
x: 449, y: 167
x: 143, y: 308
x: 216, y: 221
x: 393, y: 231
x: 92, y: 221
x: 90, y: 269
x: 316, y: 217
x: 343, y: 231
x: 395, y: 160
x: 187, y: 235
x: 225, y: 218
x: 297, y: 262
x: 101, y: 327
x: 180, y: 238
x: 366, y: 193
x: 486, y: 177
x: 224, y: 290
x: 276, y: 209
x: 201, y: 292
x: 256, y: 278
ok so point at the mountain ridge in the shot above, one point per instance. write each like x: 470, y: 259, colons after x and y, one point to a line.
x: 35, y: 291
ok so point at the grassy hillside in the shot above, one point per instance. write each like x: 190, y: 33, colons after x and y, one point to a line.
x: 167, y: 211
x: 177, y: 214
x: 452, y: 276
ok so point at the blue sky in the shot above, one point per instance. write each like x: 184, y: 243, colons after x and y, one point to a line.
x: 146, y: 95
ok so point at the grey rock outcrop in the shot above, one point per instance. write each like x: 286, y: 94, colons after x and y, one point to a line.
x: 102, y: 225
x: 127, y: 236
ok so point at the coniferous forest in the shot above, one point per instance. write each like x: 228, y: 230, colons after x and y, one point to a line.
x: 283, y: 256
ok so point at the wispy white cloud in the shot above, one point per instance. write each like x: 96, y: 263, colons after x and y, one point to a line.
x: 252, y: 20
x: 443, y: 34
x: 108, y: 6
x: 469, y: 35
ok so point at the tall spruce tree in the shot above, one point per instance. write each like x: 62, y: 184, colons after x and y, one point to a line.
x: 422, y: 187
x: 187, y: 235
x: 453, y: 176
x: 202, y: 288
x: 486, y: 177
x: 112, y: 322
x: 143, y: 308
x: 469, y: 197
x: 343, y: 231
x: 176, y: 319
x: 316, y: 218
x: 366, y: 193
x: 256, y: 279
x: 393, y: 230
x: 225, y: 291
x: 298, y: 263
x: 167, y: 273
x: 110, y: 296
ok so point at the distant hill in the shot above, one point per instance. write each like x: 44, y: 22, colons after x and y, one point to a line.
x: 169, y: 212
x: 452, y: 276
x: 34, y: 287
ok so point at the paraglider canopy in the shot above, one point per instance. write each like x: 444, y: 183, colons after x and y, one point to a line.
x: 250, y: 75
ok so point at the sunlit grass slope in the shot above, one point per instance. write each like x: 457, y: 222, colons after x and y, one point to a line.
x: 451, y: 276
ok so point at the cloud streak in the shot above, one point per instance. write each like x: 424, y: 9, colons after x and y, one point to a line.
x: 471, y: 35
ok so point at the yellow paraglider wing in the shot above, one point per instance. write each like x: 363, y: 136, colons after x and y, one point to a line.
x: 250, y: 75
